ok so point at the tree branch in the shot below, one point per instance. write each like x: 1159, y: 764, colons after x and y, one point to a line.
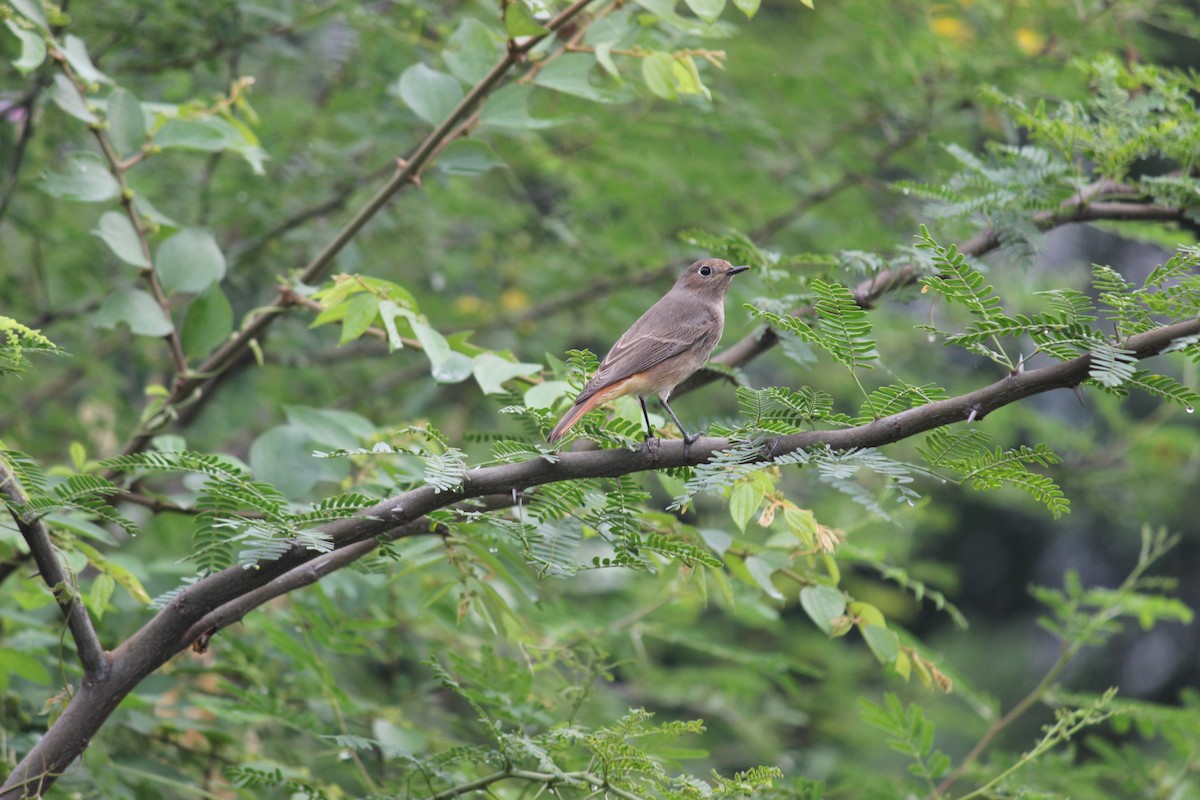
x: 184, y: 619
x: 1077, y: 208
x: 37, y: 537
x: 408, y: 173
x: 117, y: 168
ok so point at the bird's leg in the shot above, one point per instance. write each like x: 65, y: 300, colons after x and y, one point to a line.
x: 646, y: 416
x: 687, y: 439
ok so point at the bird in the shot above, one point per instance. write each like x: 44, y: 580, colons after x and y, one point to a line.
x: 667, y: 344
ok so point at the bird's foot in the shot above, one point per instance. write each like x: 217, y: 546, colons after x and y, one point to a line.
x: 691, y: 438
x: 652, y: 445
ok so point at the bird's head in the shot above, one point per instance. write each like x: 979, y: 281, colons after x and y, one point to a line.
x: 708, y: 276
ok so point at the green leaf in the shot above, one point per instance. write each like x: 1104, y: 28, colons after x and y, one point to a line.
x: 84, y: 178
x: 138, y: 310
x: 448, y: 366
x: 748, y: 7
x: 330, y: 427
x: 468, y: 157
x: 744, y: 501
x: 75, y: 51
x: 658, y: 71
x: 282, y: 457
x: 544, y: 394
x: 509, y: 108
x: 472, y: 50
x: 117, y: 232
x: 99, y: 594
x: 761, y: 570
x: 359, y: 312
x: 884, y: 643
x: 32, y: 11
x: 572, y: 74
x: 208, y: 322
x: 707, y: 10
x: 211, y: 135
x: 193, y: 134
x: 190, y: 261
x: 823, y: 604
x: 66, y: 96
x: 126, y: 122
x: 432, y: 95
x: 33, y: 48
x: 22, y: 665
x: 519, y: 21
x: 491, y: 371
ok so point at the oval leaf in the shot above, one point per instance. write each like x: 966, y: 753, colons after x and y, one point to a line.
x: 472, y: 51
x: 66, y: 97
x: 491, y: 371
x: 519, y: 21
x: 85, y: 178
x: 744, y: 501
x: 761, y: 571
x: 138, y: 310
x: 190, y: 261
x: 33, y: 48
x: 468, y: 157
x: 126, y: 122
x: 283, y: 458
x: 208, y: 323
x: 707, y: 10
x: 117, y: 232
x: 884, y: 643
x: 658, y: 71
x: 430, y: 94
x: 823, y: 604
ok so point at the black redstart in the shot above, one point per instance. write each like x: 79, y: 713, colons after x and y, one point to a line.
x: 668, y: 343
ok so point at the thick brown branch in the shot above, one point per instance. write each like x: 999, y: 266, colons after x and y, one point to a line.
x: 185, y: 618
x: 91, y: 654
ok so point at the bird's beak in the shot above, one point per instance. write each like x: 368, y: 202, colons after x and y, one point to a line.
x: 736, y: 270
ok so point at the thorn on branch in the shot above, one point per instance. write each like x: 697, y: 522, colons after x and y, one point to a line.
x: 1078, y: 394
x: 976, y: 413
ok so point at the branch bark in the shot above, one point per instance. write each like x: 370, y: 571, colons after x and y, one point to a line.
x: 79, y: 622
x: 218, y: 598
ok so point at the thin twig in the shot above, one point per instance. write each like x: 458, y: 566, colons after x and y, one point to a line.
x: 408, y: 173
x: 115, y: 167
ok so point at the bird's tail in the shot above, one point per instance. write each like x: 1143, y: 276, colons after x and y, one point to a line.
x: 572, y: 416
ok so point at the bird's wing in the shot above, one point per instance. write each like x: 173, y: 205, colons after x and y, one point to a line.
x: 639, y: 350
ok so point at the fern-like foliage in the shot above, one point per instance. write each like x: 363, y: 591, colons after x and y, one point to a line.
x: 1136, y: 112
x: 844, y: 470
x: 968, y: 454
x: 1111, y: 366
x: 17, y: 342
x: 897, y: 397
x: 241, y: 520
x: 842, y: 328
x: 780, y: 410
x: 82, y: 493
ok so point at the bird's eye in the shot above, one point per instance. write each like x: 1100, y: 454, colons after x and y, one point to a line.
x: 706, y: 271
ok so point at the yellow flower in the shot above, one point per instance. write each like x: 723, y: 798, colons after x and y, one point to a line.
x: 514, y: 300
x: 468, y: 304
x: 1030, y: 41
x: 951, y: 28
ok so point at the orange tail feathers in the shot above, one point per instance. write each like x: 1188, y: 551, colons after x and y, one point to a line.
x: 573, y: 415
